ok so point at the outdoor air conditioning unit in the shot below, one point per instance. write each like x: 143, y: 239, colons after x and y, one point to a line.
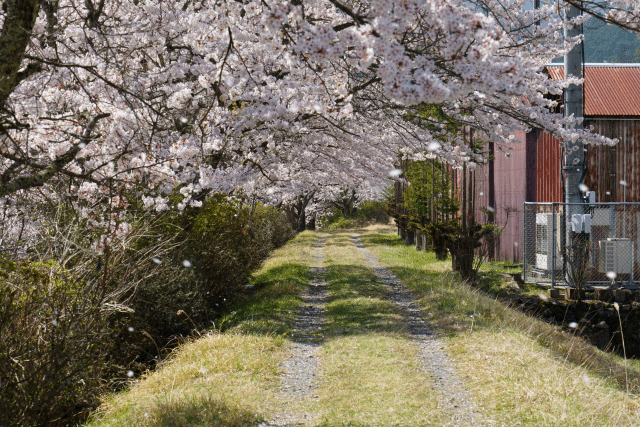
x: 616, y: 255
x: 545, y: 240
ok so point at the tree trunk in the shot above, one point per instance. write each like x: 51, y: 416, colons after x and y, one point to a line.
x: 14, y: 39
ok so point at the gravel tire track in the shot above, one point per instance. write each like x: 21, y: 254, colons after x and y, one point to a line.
x: 299, y: 378
x: 455, y: 400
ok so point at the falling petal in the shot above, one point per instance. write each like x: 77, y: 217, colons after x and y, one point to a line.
x: 481, y: 193
x: 583, y: 188
x: 608, y: 193
x: 433, y: 146
x: 573, y: 325
x: 130, y: 329
x: 186, y: 263
x: 515, y: 243
x: 490, y: 209
x: 55, y: 322
x: 156, y: 260
x: 184, y: 120
x: 543, y: 297
x: 623, y: 182
x: 129, y: 374
x: 612, y: 275
x: 394, y: 173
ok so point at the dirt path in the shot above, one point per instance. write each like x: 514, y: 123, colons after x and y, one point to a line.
x: 300, y: 369
x: 299, y: 379
x: 455, y: 400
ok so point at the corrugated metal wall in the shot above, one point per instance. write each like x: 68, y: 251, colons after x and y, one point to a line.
x: 612, y: 172
x: 510, y: 192
x: 533, y: 172
x: 548, y: 169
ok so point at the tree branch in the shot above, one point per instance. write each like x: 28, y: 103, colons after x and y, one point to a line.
x: 40, y: 178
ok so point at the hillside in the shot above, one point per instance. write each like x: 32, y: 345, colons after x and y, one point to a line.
x: 609, y: 43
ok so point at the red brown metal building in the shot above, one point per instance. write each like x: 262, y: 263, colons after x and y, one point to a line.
x: 532, y: 171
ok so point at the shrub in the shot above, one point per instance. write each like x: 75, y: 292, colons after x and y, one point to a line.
x: 74, y: 327
x: 222, y: 243
x: 52, y: 334
x: 373, y: 212
x: 367, y: 212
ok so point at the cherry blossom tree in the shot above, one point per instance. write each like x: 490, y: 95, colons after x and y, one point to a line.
x: 104, y: 101
x: 623, y: 13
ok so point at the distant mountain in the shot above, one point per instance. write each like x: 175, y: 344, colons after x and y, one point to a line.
x: 609, y: 43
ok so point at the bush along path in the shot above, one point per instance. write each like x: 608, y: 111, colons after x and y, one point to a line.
x: 329, y: 335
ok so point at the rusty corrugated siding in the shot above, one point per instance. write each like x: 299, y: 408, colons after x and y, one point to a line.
x: 608, y: 90
x: 548, y: 169
x: 608, y: 166
x: 510, y: 193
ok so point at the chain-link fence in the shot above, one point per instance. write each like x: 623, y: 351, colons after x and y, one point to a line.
x: 586, y: 243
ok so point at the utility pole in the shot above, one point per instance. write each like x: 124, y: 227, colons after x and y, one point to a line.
x: 573, y: 101
x: 575, y: 243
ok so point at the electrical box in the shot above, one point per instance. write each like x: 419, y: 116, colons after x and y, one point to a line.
x: 602, y: 217
x: 546, y: 240
x: 581, y: 223
x: 576, y: 223
x: 616, y: 255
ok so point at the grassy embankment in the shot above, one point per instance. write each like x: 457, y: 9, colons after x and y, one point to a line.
x: 520, y: 370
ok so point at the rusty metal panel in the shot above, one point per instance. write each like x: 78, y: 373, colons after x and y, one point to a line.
x: 608, y: 90
x: 510, y: 193
x: 612, y: 171
x: 548, y: 169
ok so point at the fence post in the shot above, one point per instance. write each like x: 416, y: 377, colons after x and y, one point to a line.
x: 524, y: 242
x: 553, y: 246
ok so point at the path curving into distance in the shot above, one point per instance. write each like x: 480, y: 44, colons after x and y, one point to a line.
x: 454, y: 400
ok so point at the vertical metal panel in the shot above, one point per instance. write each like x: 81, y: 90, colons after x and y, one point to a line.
x: 510, y: 193
x: 548, y: 169
x: 610, y: 168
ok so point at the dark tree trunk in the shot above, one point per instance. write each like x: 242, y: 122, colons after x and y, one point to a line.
x: 14, y: 39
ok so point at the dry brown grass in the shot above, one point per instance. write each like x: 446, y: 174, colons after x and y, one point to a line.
x: 519, y: 382
x: 216, y: 379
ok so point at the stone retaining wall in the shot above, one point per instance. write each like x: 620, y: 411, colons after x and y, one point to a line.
x: 596, y: 321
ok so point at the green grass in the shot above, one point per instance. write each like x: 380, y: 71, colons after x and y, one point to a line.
x: 520, y: 371
x: 225, y: 378
x: 370, y: 374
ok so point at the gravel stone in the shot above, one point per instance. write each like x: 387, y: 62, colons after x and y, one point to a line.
x: 300, y: 369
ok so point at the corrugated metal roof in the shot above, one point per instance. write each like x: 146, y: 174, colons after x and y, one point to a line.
x: 609, y: 90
